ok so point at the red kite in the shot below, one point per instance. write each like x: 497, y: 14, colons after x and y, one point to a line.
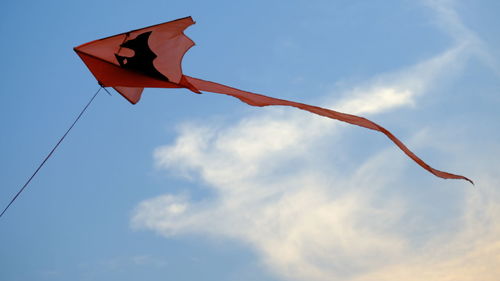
x: 151, y: 57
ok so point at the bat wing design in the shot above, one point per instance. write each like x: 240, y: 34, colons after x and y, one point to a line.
x: 147, y: 57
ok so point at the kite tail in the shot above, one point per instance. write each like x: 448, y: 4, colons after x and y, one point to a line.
x: 261, y: 100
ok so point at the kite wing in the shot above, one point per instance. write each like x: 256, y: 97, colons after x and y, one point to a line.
x: 151, y: 57
x: 147, y: 57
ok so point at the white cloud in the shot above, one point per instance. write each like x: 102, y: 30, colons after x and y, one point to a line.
x: 449, y: 20
x: 312, y: 226
x: 393, y: 90
x: 277, y: 192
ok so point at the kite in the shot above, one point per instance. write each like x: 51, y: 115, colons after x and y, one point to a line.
x: 151, y: 57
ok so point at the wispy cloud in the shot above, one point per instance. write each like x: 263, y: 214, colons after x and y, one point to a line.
x: 449, y: 20
x: 402, y: 88
x: 271, y: 190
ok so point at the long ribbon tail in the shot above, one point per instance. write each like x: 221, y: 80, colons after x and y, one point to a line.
x: 261, y: 100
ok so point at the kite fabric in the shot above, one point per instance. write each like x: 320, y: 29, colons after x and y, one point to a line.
x: 151, y: 57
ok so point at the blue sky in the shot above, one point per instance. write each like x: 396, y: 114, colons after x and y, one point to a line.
x: 204, y: 187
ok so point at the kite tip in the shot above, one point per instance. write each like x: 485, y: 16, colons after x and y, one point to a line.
x: 469, y: 180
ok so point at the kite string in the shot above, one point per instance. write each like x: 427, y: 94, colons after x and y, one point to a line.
x: 51, y: 152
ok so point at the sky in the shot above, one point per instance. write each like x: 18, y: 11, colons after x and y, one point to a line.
x: 203, y: 187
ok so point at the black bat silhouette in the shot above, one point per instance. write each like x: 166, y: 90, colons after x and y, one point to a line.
x: 142, y: 61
